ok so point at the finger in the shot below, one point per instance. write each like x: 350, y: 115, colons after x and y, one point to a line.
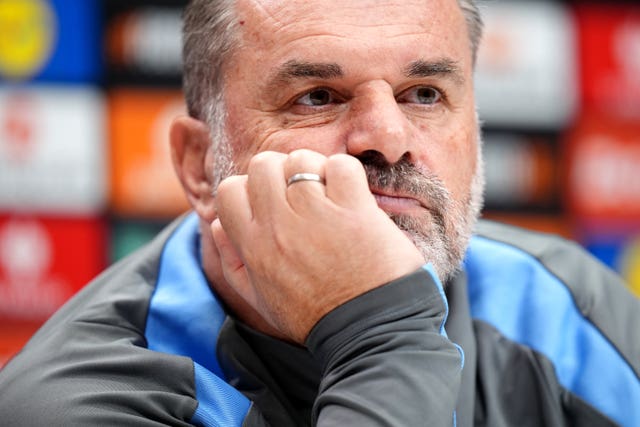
x: 346, y: 182
x: 305, y: 194
x: 230, y: 256
x: 233, y: 266
x: 266, y: 186
x: 234, y: 210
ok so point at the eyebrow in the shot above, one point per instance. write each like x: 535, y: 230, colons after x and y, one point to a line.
x: 293, y: 70
x: 439, y: 68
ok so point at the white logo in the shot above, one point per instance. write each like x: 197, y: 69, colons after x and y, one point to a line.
x: 26, y: 256
x: 25, y: 251
x: 627, y: 49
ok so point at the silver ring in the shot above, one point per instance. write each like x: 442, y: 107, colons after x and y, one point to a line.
x: 299, y: 177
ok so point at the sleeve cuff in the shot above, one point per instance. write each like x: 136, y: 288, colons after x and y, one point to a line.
x: 409, y: 295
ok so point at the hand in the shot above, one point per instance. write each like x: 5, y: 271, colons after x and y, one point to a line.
x: 296, y: 252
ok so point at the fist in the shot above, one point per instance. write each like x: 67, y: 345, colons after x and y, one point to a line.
x: 295, y: 252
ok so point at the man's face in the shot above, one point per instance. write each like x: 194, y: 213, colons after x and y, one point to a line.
x: 388, y: 82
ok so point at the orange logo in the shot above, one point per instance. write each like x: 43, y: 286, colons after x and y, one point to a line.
x: 143, y: 180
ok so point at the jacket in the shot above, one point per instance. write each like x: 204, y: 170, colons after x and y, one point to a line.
x: 531, y: 332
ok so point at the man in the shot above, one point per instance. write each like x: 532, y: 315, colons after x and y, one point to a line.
x: 332, y: 161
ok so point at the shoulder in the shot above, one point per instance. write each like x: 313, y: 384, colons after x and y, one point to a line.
x: 505, y: 247
x: 548, y: 294
x: 90, y: 361
x: 537, y: 244
x: 554, y: 268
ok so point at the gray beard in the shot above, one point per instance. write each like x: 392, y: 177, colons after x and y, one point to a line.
x: 442, y: 234
x: 443, y: 238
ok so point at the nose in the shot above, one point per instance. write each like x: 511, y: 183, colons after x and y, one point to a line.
x: 377, y: 123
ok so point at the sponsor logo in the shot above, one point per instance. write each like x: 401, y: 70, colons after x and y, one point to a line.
x: 605, y: 176
x: 18, y: 115
x: 610, y: 55
x: 521, y: 171
x: 498, y: 51
x: 147, y: 40
x: 513, y: 66
x: 28, y: 289
x: 627, y: 51
x: 144, y: 183
x: 155, y: 169
x: 27, y: 34
x: 51, y: 150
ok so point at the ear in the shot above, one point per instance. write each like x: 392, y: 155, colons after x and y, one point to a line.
x: 190, y: 152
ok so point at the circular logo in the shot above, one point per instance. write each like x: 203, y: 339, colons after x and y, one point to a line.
x: 27, y: 32
x: 25, y: 251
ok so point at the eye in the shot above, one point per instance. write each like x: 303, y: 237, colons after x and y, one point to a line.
x: 424, y: 95
x: 316, y: 98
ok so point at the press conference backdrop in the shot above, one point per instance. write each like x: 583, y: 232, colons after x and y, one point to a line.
x: 88, y: 89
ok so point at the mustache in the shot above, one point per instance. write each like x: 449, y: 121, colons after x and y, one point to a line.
x: 405, y: 178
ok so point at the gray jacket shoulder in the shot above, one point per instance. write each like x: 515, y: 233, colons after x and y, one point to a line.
x: 599, y: 293
x: 89, y: 365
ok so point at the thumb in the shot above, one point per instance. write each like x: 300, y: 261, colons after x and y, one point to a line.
x: 233, y: 266
x: 346, y: 182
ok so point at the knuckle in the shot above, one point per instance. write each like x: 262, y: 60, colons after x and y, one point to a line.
x: 344, y: 164
x: 261, y: 159
x: 304, y: 155
x: 229, y: 185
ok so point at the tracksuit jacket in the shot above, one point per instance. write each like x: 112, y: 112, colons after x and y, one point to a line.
x: 531, y: 332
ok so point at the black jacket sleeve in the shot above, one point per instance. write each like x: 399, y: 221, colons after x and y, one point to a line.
x: 386, y: 358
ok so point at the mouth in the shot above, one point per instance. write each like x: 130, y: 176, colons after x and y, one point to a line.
x: 397, y: 203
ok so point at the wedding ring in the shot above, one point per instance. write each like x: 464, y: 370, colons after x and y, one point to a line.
x: 299, y: 177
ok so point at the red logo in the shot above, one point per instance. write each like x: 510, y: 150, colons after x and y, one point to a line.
x: 18, y: 126
x: 43, y: 262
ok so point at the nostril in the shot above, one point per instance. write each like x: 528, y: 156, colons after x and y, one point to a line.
x: 372, y: 157
x: 379, y: 131
x: 378, y: 160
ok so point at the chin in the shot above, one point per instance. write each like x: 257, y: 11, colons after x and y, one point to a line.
x: 441, y: 246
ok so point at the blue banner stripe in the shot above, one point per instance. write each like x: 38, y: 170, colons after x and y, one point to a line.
x: 78, y: 54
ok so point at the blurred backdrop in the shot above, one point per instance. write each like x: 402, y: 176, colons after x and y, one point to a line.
x: 88, y: 89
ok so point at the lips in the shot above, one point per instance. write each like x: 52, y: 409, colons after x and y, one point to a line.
x: 397, y: 203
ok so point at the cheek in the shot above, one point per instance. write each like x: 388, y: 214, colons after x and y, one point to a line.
x: 250, y: 137
x: 452, y: 156
x: 323, y: 139
x: 462, y: 159
x: 247, y: 133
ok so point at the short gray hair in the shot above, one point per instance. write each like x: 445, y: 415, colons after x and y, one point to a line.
x: 209, y: 35
x: 475, y: 26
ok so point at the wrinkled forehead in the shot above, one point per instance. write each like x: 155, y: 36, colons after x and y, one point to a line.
x: 351, y: 18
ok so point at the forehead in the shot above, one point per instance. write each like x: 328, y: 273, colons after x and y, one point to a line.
x: 435, y: 28
x: 349, y: 12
